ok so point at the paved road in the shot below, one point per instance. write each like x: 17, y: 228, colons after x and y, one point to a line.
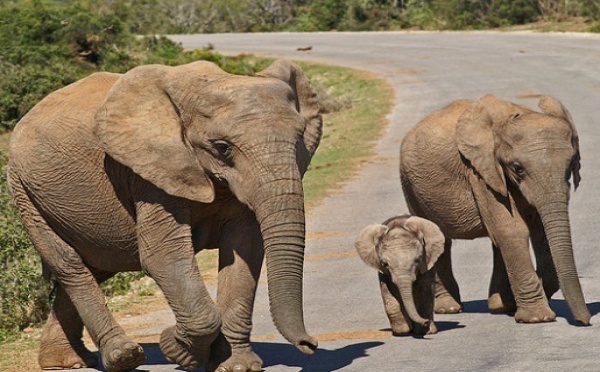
x: 342, y: 302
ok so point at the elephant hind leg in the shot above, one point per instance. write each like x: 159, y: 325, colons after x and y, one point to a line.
x: 82, y: 289
x: 61, y: 345
x: 447, y: 294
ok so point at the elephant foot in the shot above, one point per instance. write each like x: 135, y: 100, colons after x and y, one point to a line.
x: 57, y: 356
x: 189, y: 355
x: 497, y: 305
x: 446, y: 304
x: 121, y: 354
x: 430, y: 329
x: 58, y: 352
x: 538, y: 314
x: 241, y: 361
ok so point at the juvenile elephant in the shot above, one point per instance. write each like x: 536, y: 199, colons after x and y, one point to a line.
x: 498, y: 169
x: 139, y: 172
x: 404, y: 249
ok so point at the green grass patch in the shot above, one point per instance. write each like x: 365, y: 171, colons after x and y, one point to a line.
x: 349, y: 135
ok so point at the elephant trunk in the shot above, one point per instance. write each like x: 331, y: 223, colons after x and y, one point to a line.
x: 280, y: 213
x: 405, y: 286
x: 555, y: 219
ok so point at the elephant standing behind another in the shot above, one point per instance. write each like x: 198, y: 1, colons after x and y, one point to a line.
x: 498, y: 169
x: 139, y: 172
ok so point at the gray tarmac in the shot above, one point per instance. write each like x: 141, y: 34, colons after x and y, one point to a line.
x: 342, y: 304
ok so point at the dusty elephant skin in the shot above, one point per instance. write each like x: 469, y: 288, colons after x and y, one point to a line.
x: 498, y: 169
x: 404, y: 250
x: 141, y: 171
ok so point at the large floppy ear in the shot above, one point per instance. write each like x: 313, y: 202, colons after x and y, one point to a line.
x: 306, y: 104
x: 432, y: 237
x: 141, y: 125
x: 475, y: 138
x: 367, y: 242
x: 552, y: 106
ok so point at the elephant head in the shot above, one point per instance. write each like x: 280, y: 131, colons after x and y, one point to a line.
x: 191, y: 128
x: 404, y: 248
x: 512, y: 147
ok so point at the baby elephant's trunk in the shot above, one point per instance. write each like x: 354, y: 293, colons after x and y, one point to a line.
x: 405, y: 286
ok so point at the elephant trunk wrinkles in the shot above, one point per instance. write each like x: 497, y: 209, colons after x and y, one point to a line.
x: 280, y: 213
x: 555, y: 219
x: 405, y: 286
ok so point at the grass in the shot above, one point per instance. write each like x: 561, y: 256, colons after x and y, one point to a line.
x: 349, y: 136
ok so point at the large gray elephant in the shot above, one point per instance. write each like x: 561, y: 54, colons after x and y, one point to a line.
x: 404, y: 250
x: 498, y: 169
x: 139, y: 172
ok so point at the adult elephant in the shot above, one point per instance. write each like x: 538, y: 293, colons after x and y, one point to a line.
x: 498, y: 169
x: 139, y: 172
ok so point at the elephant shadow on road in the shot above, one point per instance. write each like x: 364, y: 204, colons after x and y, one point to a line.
x: 323, y: 360
x: 274, y: 354
x: 560, y: 307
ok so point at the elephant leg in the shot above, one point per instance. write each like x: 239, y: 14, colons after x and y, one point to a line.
x: 167, y: 255
x: 240, y: 262
x: 509, y: 232
x: 119, y: 353
x: 399, y: 323
x: 501, y: 299
x: 424, y: 294
x: 447, y: 294
x: 61, y: 343
x: 546, y: 270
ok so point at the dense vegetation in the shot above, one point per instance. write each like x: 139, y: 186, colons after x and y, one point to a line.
x: 192, y: 16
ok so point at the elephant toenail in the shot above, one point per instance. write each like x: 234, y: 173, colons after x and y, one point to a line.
x: 221, y: 369
x: 535, y: 319
x: 256, y: 367
x: 239, y: 368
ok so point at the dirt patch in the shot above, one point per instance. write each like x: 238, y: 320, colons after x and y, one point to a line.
x: 336, y: 336
x: 529, y: 96
x: 327, y: 256
x: 410, y: 72
x: 323, y: 235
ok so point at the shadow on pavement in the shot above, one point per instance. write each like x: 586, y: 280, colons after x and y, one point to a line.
x: 561, y: 308
x: 323, y: 360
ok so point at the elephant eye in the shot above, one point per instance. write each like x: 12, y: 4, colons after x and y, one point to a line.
x: 519, y: 170
x: 223, y: 148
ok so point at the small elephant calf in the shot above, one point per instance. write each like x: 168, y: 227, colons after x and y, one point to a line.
x: 404, y: 249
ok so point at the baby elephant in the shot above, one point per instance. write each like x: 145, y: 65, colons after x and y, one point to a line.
x: 404, y: 249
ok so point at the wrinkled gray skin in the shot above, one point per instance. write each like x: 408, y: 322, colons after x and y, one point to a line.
x: 404, y: 250
x: 139, y: 172
x: 498, y: 169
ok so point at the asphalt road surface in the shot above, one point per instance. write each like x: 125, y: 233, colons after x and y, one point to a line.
x: 343, y: 307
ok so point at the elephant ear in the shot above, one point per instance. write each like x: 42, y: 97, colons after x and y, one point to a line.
x: 476, y: 140
x: 141, y: 125
x: 432, y: 237
x: 307, y: 105
x: 552, y: 106
x: 367, y: 242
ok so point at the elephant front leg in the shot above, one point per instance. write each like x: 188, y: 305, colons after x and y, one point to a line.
x: 240, y: 262
x: 509, y: 232
x: 167, y: 255
x: 500, y: 299
x: 546, y: 270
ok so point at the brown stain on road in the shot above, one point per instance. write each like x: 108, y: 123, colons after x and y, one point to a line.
x: 529, y: 95
x: 328, y: 256
x: 336, y: 336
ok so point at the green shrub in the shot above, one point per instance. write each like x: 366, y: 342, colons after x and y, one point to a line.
x: 23, y: 294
